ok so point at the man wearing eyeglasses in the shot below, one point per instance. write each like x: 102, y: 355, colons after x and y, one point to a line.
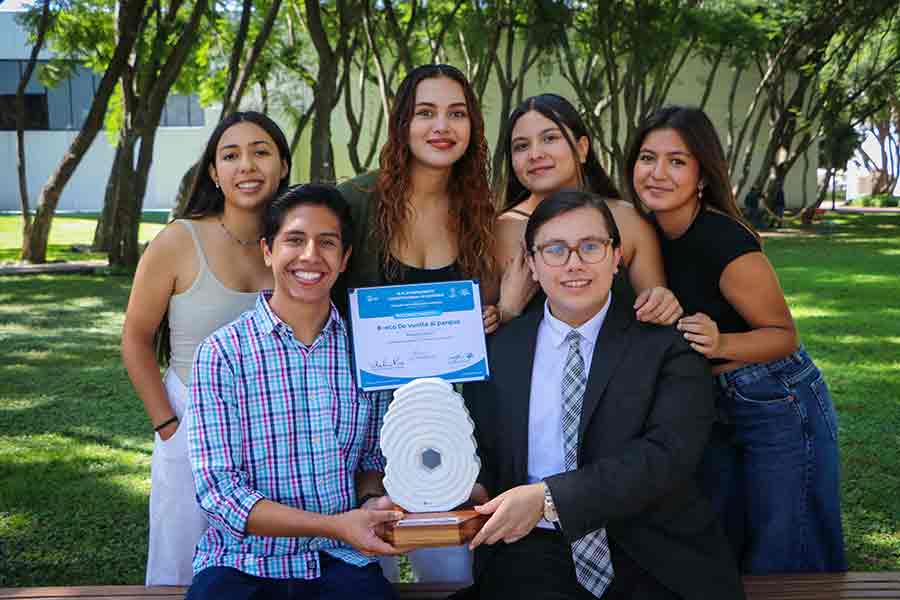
x: 589, y: 433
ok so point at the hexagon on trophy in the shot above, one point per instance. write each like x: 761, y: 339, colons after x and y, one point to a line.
x: 432, y: 464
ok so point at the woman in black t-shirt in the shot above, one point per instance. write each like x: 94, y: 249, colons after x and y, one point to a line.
x: 771, y: 467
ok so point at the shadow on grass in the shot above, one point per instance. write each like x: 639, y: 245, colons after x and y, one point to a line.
x: 90, y: 522
x: 24, y: 293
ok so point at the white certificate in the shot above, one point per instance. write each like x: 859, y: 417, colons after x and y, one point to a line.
x: 404, y: 332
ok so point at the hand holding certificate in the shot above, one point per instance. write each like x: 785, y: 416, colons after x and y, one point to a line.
x: 404, y: 332
x: 420, y: 338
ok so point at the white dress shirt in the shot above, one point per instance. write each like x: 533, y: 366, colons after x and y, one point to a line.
x: 545, y: 436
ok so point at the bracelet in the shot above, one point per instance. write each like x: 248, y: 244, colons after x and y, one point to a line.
x: 173, y: 419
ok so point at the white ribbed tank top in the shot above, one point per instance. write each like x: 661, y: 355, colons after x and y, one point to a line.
x: 199, y: 310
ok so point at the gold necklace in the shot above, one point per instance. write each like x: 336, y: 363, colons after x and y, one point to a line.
x: 244, y: 243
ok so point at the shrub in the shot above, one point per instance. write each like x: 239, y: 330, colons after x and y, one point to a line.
x: 879, y: 201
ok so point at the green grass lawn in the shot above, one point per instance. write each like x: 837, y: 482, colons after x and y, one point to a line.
x: 68, y: 234
x: 75, y: 443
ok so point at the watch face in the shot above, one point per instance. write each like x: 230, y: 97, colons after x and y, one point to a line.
x: 549, y: 508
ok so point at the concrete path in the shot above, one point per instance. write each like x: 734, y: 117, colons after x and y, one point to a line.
x: 76, y: 266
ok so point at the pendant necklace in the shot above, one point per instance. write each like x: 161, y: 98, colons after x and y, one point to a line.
x: 244, y: 243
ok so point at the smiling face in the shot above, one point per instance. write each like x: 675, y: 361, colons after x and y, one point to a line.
x: 576, y: 290
x: 440, y: 128
x: 307, y: 255
x: 666, y: 175
x: 248, y: 166
x: 542, y: 159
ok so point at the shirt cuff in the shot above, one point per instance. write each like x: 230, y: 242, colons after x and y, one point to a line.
x: 237, y: 511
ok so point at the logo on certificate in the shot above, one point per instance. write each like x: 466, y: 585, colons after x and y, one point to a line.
x: 406, y: 332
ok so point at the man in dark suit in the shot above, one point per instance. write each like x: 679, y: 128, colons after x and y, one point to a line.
x: 589, y: 431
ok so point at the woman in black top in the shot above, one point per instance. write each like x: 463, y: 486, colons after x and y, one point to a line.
x: 771, y: 468
x: 427, y: 214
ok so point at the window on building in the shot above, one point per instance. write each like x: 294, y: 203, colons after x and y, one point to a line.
x: 66, y: 105
x: 35, y: 112
x: 182, y: 111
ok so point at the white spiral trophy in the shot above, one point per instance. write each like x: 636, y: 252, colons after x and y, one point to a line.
x: 432, y: 464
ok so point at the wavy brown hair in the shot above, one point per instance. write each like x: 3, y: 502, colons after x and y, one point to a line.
x: 471, y: 201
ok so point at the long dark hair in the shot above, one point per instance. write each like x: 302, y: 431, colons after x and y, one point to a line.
x: 699, y: 135
x: 471, y: 204
x: 566, y: 200
x: 206, y: 199
x: 591, y: 175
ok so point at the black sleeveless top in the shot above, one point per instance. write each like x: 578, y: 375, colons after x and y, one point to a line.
x: 404, y: 274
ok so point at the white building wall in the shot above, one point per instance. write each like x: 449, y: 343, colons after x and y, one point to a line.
x: 176, y: 149
x: 688, y: 89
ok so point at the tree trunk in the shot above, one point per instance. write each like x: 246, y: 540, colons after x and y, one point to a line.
x: 20, y: 165
x: 124, y: 248
x: 35, y: 245
x: 103, y: 231
x: 497, y: 160
x: 123, y: 197
x: 43, y: 26
x: 321, y: 159
x: 809, y: 213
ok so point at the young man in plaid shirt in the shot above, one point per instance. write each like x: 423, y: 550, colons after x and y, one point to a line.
x: 282, y: 442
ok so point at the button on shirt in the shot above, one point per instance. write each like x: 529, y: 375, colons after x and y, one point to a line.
x: 545, y: 436
x: 273, y: 418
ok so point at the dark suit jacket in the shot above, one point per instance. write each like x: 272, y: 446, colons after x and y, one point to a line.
x: 647, y: 411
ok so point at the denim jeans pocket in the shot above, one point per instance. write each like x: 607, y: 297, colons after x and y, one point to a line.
x: 765, y: 412
x: 826, y: 406
x: 767, y: 391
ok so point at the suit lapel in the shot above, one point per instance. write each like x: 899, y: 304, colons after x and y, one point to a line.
x: 517, y: 391
x: 609, y: 351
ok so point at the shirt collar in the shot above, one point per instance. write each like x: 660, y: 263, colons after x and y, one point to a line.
x: 269, y: 322
x: 589, y: 330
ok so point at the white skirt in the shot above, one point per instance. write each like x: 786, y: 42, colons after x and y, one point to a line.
x: 176, y: 520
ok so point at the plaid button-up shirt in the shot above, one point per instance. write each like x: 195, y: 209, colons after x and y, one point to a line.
x: 272, y: 418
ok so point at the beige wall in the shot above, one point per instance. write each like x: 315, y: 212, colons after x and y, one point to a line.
x: 688, y: 89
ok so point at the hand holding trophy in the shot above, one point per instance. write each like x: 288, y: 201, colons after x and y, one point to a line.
x: 417, y: 339
x: 432, y: 464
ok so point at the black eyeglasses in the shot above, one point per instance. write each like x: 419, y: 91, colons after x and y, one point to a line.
x: 590, y: 250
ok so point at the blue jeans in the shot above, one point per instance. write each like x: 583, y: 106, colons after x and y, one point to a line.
x: 339, y: 581
x: 771, y: 468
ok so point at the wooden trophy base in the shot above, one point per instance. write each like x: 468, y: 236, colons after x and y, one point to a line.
x: 432, y: 529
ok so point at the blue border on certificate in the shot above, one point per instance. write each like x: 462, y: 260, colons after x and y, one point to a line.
x: 406, y: 332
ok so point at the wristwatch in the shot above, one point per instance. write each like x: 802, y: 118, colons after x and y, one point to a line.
x: 549, y: 508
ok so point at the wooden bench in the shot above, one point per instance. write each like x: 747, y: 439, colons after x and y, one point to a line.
x: 828, y: 586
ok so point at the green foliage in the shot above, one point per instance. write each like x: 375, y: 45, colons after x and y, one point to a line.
x: 839, y: 143
x: 879, y: 201
x: 82, y: 32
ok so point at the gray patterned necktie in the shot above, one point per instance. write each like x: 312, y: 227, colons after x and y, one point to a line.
x: 593, y: 565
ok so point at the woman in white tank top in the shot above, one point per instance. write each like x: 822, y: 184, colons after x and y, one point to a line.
x: 197, y: 275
